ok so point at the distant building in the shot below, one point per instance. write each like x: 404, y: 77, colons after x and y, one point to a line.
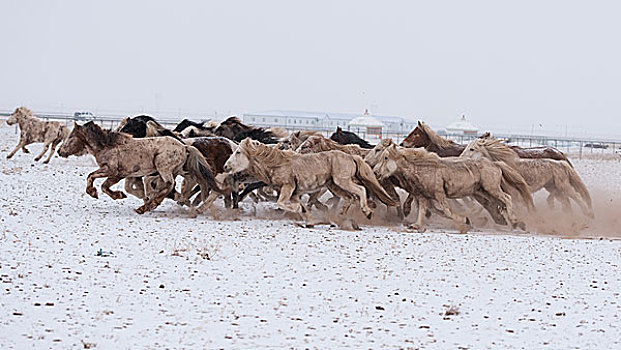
x: 366, y: 125
x: 462, y: 127
x: 298, y: 120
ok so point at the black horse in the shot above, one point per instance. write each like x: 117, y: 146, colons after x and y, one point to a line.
x: 233, y: 129
x: 349, y: 138
x: 137, y: 127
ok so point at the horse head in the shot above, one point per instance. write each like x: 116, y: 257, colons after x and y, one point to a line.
x: 238, y: 161
x: 19, y: 114
x: 387, y: 162
x: 74, y: 144
x: 417, y: 138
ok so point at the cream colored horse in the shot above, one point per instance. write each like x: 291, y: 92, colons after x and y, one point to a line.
x: 432, y: 179
x: 34, y: 130
x: 297, y: 174
x: 558, y: 177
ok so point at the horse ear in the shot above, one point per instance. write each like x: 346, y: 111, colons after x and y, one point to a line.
x: 338, y: 129
x: 420, y: 124
x: 75, y: 124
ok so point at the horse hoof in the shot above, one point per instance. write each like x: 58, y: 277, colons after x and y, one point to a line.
x: 369, y: 215
x: 37, y: 159
x: 46, y: 162
x: 140, y: 210
x: 93, y: 194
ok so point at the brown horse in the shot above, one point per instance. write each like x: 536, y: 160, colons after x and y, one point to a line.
x: 120, y: 156
x: 216, y: 151
x: 33, y: 130
x: 424, y: 136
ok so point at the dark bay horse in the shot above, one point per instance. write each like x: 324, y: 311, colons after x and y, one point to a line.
x: 349, y: 138
x: 424, y: 136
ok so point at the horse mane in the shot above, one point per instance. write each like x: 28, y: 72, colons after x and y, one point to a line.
x: 103, y: 138
x: 385, y: 143
x: 434, y: 137
x: 497, y: 150
x: 420, y: 154
x: 185, y: 123
x: 269, y: 156
x: 233, y: 120
x: 326, y: 144
x: 23, y: 112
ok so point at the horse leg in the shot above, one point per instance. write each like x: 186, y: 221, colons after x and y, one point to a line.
x: 99, y: 173
x: 284, y: 200
x: 390, y: 189
x: 154, y: 201
x: 105, y: 187
x: 491, y: 205
x: 462, y: 222
x: 497, y: 193
x: 53, y: 149
x: 21, y: 144
x: 187, y: 191
x: 25, y: 150
x: 407, y: 205
x: 349, y: 186
x: 313, y: 199
x: 135, y: 187
x: 419, y: 225
x: 46, y: 146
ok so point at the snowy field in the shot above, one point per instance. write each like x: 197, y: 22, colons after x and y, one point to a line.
x: 178, y: 282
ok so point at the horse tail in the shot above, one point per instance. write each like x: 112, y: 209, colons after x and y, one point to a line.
x: 578, y: 185
x: 514, y: 179
x: 196, y: 164
x: 365, y: 174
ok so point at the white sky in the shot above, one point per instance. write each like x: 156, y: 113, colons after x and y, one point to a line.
x: 507, y: 66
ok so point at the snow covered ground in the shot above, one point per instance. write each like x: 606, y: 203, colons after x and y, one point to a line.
x: 179, y: 282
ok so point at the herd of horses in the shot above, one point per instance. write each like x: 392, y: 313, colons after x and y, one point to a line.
x: 233, y: 160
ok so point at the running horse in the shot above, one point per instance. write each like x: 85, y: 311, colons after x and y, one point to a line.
x: 120, y: 156
x: 424, y: 136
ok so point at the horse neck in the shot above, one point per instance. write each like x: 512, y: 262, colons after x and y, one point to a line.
x: 26, y: 120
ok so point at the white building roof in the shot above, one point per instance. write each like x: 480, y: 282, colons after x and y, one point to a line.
x: 365, y: 120
x: 462, y: 125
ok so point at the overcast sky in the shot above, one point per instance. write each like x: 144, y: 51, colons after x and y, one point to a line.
x: 542, y: 65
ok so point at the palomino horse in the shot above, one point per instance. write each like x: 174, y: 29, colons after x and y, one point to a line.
x: 424, y: 136
x: 434, y: 180
x: 557, y: 177
x: 33, y: 130
x: 297, y: 174
x: 349, y: 138
x: 318, y: 143
x: 120, y: 156
x: 294, y: 140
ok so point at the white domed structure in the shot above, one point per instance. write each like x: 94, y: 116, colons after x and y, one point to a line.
x: 366, y: 125
x: 462, y: 127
